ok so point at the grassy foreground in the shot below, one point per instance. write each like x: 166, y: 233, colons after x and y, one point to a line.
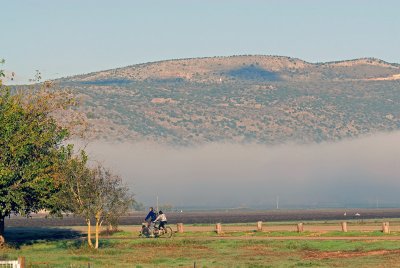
x: 63, y: 248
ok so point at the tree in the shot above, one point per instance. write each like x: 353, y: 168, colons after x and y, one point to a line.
x: 36, y: 169
x: 1, y: 71
x: 94, y: 193
x: 31, y: 147
x: 112, y: 198
x: 30, y: 152
x: 138, y: 206
x: 77, y: 190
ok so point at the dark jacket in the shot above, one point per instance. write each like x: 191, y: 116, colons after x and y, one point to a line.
x: 151, y: 216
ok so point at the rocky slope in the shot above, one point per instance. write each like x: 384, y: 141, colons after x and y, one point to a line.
x: 263, y: 99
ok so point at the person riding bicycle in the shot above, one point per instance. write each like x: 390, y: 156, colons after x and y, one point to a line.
x: 162, y: 218
x: 151, y: 217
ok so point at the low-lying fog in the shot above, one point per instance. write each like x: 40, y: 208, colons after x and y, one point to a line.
x: 352, y: 173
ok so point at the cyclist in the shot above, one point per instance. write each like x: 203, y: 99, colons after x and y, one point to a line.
x: 151, y: 216
x: 162, y: 218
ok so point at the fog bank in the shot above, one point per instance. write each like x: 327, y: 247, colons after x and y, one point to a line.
x: 351, y: 173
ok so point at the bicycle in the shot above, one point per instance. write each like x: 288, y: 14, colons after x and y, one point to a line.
x: 157, y: 232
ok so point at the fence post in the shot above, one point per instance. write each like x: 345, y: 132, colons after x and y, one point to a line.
x: 259, y: 226
x: 385, y: 228
x: 218, y: 228
x: 21, y: 262
x: 179, y: 227
x: 344, y: 227
x: 300, y: 228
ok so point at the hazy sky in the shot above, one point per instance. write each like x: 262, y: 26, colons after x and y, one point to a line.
x: 351, y: 173
x: 71, y: 37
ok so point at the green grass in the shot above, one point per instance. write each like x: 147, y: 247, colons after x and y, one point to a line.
x: 288, y: 234
x: 205, y: 252
x: 358, y: 233
x: 54, y: 247
x: 196, y: 234
x: 269, y: 234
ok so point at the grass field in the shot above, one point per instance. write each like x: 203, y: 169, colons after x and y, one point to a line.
x: 65, y: 247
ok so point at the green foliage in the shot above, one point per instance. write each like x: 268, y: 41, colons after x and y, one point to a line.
x: 93, y: 193
x: 75, y: 177
x: 138, y: 206
x: 30, y: 152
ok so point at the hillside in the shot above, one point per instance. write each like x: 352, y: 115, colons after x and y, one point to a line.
x: 264, y: 99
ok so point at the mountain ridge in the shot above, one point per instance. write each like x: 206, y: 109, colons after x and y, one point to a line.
x: 262, y: 99
x: 366, y: 60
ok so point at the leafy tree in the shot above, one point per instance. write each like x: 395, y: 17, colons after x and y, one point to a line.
x: 112, y: 198
x: 94, y: 193
x: 30, y: 153
x: 31, y: 147
x: 77, y: 190
x: 138, y: 206
x: 36, y: 170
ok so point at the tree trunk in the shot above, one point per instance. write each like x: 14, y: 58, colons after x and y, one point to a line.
x: 98, y: 225
x: 89, y: 234
x: 96, y: 246
x: 2, y: 240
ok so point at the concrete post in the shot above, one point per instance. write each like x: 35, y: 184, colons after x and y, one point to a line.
x: 385, y: 228
x: 300, y: 227
x: 344, y: 227
x: 218, y: 228
x: 259, y: 226
x: 179, y: 227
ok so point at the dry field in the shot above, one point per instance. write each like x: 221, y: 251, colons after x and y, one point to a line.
x: 61, y: 242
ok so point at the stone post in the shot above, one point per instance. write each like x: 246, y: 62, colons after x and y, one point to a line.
x: 344, y: 227
x: 259, y: 226
x: 385, y: 228
x: 218, y: 228
x: 300, y: 227
x: 179, y: 227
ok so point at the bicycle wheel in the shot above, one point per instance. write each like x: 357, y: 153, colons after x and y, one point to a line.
x: 168, y: 231
x: 145, y: 232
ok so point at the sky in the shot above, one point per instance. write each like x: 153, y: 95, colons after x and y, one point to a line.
x: 63, y: 38
x: 362, y: 172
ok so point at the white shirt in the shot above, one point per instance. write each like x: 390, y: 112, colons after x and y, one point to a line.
x: 161, y: 217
